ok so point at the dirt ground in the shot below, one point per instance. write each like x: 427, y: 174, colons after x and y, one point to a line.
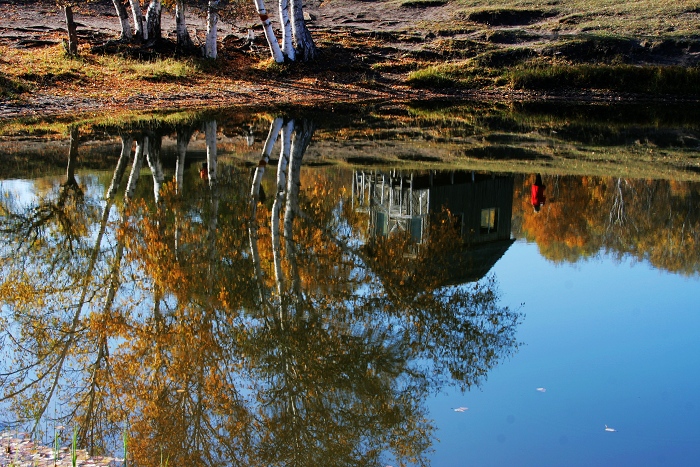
x: 34, y: 25
x: 351, y: 35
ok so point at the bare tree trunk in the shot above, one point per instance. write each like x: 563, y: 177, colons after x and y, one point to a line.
x: 183, y: 140
x: 72, y: 31
x: 72, y: 156
x: 277, y: 205
x: 287, y: 46
x: 140, y: 32
x: 275, y: 50
x: 123, y: 16
x: 153, y: 16
x: 141, y: 143
x: 154, y: 163
x: 184, y: 42
x: 303, y: 42
x: 212, y: 22
x: 210, y: 138
x: 275, y: 128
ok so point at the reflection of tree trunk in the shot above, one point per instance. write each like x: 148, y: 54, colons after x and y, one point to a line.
x: 121, y: 166
x: 275, y: 128
x: 72, y: 156
x: 183, y: 140
x: 87, y: 278
x: 279, y: 199
x: 302, y: 138
x: 153, y: 159
x: 210, y: 138
x: 141, y: 143
x: 72, y: 31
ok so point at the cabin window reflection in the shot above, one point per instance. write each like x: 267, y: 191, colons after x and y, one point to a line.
x: 489, y: 220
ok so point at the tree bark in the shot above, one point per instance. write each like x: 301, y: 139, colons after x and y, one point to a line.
x: 210, y: 50
x: 210, y: 139
x: 123, y: 16
x: 140, y: 33
x: 275, y: 50
x: 287, y: 45
x: 280, y: 195
x: 141, y: 143
x: 184, y: 42
x: 156, y: 166
x: 303, y: 42
x: 153, y: 16
x: 72, y: 31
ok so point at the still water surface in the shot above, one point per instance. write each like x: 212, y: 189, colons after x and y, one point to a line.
x: 281, y: 314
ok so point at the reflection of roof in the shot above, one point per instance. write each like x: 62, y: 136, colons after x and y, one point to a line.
x: 472, y: 263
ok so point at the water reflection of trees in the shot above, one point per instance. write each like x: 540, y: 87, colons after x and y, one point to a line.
x: 221, y: 328
x: 648, y: 220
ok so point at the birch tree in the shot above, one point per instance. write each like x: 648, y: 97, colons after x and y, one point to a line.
x: 270, y: 37
x: 210, y: 49
x: 125, y: 27
x: 140, y: 33
x: 297, y: 43
x: 303, y: 42
x: 184, y: 42
x: 153, y: 20
x: 287, y: 45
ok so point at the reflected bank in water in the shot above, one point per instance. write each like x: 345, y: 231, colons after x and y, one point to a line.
x: 278, y: 312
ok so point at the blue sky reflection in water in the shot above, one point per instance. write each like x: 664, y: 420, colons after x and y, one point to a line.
x: 613, y: 343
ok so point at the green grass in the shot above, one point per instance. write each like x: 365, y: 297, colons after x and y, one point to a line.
x: 638, y: 18
x: 655, y: 80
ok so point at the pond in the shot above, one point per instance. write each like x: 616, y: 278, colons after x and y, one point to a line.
x: 258, y: 290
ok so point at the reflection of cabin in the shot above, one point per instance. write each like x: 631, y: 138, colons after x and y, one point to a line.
x: 482, y: 204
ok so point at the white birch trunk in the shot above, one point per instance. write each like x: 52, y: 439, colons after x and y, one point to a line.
x: 293, y: 185
x: 277, y: 205
x: 287, y: 45
x: 210, y: 50
x: 140, y: 32
x: 123, y: 16
x: 153, y: 15
x: 183, y: 140
x: 154, y: 163
x: 121, y: 166
x: 275, y: 50
x: 275, y: 128
x: 303, y: 42
x: 136, y: 167
x: 184, y: 41
x: 210, y: 139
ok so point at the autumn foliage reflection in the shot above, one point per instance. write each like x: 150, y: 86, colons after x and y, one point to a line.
x: 220, y: 327
x: 647, y: 220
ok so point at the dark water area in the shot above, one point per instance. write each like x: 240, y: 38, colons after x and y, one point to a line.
x: 265, y: 290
